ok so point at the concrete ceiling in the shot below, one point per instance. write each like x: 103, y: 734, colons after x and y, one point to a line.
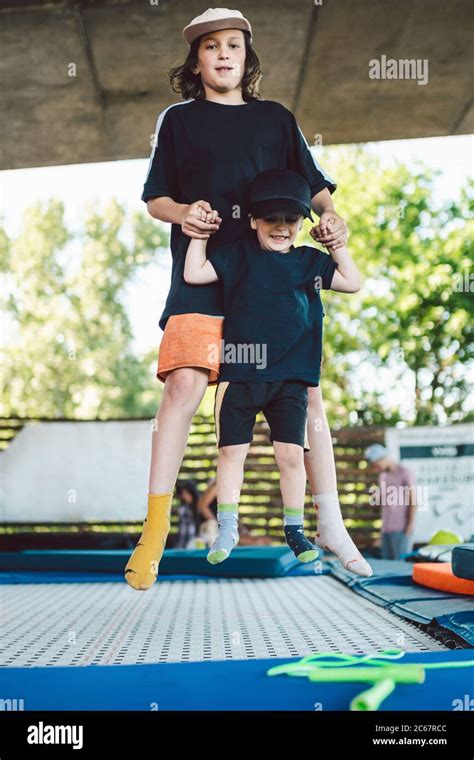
x: 315, y: 60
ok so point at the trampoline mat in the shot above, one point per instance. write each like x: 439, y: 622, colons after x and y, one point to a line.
x: 77, y: 624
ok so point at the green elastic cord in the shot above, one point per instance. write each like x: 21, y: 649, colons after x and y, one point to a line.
x: 435, y: 665
x: 315, y: 661
x: 373, y: 698
x: 398, y: 673
x: 381, y: 672
x: 384, y: 686
x: 307, y: 664
x: 227, y: 507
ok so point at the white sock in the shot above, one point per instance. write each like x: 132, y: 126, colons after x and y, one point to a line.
x: 333, y: 536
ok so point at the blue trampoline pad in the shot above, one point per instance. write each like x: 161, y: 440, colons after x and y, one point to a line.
x: 392, y: 587
x: 463, y: 561
x: 244, y: 562
x: 74, y: 576
x: 224, y: 685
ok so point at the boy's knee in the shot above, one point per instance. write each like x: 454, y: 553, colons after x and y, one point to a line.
x: 289, y: 455
x: 185, y: 385
x: 235, y: 453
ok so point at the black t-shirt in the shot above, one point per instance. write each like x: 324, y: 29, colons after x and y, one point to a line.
x: 274, y: 316
x: 212, y: 152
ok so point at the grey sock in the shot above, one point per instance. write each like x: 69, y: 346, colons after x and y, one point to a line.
x: 228, y: 535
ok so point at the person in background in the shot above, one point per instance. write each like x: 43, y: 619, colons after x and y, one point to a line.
x: 189, y: 519
x: 397, y: 490
x: 207, y: 504
x: 207, y: 507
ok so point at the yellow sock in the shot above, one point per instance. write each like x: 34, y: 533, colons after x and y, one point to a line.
x: 142, y: 567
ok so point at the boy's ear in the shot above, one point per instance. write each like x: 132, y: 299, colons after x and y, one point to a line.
x: 253, y: 223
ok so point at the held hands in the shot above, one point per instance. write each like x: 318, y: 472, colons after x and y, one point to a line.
x: 331, y: 231
x: 199, y: 220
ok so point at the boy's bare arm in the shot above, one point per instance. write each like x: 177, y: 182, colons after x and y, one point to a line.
x: 203, y: 504
x: 346, y: 278
x: 332, y: 229
x: 197, y: 269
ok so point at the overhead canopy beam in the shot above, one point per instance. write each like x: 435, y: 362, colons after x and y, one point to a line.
x: 84, y: 81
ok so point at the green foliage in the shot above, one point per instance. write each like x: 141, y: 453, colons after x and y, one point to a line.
x: 71, y: 355
x: 409, y: 328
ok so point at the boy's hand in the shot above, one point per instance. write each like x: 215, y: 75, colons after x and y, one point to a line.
x: 331, y: 231
x: 199, y: 220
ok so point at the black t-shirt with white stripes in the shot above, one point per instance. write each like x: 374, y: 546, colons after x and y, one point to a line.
x: 211, y: 151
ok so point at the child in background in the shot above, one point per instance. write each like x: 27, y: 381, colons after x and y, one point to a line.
x: 189, y: 518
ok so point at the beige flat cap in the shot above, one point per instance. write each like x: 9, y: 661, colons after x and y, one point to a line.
x: 213, y: 20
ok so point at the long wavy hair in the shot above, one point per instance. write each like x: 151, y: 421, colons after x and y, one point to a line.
x: 189, y: 85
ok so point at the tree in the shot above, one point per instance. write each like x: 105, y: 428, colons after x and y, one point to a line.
x: 72, y: 355
x: 410, y: 324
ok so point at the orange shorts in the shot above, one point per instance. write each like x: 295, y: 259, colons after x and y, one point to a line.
x: 191, y: 340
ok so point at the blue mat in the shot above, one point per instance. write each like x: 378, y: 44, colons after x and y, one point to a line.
x: 72, y: 576
x: 107, y: 566
x: 244, y: 562
x: 228, y: 685
x: 463, y: 561
x: 392, y: 587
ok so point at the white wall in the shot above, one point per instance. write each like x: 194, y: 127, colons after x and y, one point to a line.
x: 76, y: 471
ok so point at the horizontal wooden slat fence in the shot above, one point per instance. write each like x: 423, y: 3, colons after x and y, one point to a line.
x: 260, y: 505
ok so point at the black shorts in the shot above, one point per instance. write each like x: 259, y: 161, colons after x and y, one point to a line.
x: 283, y: 402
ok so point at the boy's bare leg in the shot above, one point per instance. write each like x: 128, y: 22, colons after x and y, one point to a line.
x: 321, y: 472
x: 183, y: 392
x: 290, y: 461
x: 230, y: 476
x: 319, y: 461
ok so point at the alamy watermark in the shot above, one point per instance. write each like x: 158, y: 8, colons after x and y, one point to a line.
x: 48, y: 734
x: 394, y: 496
x: 404, y: 68
x: 238, y: 353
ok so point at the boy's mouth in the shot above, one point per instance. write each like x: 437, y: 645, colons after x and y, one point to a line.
x: 224, y: 68
x: 279, y: 238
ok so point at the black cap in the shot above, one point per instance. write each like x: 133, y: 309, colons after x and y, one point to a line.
x: 280, y: 191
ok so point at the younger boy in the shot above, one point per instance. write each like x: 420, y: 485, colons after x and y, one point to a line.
x: 272, y: 344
